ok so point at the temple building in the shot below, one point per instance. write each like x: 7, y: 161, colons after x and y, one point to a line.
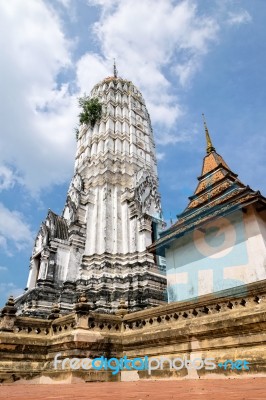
x: 98, y: 246
x: 98, y: 270
x: 219, y: 240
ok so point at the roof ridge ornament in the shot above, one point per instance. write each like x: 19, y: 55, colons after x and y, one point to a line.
x: 115, y: 69
x: 210, y: 147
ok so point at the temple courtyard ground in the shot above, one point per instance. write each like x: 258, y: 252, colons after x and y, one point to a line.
x: 211, y: 389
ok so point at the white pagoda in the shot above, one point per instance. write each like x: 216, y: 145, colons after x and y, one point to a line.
x: 98, y: 247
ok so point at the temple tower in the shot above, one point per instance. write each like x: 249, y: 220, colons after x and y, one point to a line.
x: 219, y: 240
x: 98, y: 246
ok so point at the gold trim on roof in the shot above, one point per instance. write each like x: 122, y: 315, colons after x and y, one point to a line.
x: 210, y: 147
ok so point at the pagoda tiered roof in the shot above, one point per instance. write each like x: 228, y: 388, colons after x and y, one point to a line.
x: 219, y: 192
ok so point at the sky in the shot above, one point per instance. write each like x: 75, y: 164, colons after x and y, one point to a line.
x: 185, y: 56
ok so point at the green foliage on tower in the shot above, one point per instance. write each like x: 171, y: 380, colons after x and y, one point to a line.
x: 91, y: 110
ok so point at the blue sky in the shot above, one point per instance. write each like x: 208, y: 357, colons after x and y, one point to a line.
x: 187, y: 57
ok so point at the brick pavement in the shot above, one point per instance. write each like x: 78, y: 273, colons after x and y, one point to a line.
x: 212, y: 389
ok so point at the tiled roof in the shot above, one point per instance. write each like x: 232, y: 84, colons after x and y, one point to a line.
x: 218, y: 192
x: 58, y: 228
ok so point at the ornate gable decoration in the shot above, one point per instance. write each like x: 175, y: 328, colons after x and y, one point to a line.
x: 146, y: 194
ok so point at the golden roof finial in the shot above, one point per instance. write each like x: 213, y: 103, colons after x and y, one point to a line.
x: 115, y: 69
x: 210, y: 147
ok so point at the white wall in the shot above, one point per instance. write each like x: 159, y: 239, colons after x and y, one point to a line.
x: 228, y: 252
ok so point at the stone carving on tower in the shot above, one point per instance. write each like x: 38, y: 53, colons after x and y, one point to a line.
x: 98, y: 246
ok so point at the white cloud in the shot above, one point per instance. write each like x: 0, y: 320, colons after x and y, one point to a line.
x: 3, y: 269
x: 239, y: 17
x: 160, y: 155
x: 64, y: 3
x: 37, y: 117
x: 91, y: 68
x: 186, y: 70
x: 181, y: 136
x: 7, y: 178
x: 14, y: 229
x: 146, y: 39
x: 106, y: 3
x: 3, y: 243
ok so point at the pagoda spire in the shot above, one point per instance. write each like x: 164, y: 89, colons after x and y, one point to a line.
x: 209, y: 147
x: 115, y: 69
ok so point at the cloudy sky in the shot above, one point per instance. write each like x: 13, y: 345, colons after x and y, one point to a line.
x: 186, y: 56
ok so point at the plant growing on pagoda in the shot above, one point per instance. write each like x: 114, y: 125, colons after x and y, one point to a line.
x: 91, y: 110
x: 77, y: 133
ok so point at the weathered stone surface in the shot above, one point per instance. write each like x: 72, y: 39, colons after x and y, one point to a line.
x: 226, y: 326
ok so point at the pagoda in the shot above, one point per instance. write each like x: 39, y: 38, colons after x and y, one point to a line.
x: 98, y: 246
x: 219, y: 240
